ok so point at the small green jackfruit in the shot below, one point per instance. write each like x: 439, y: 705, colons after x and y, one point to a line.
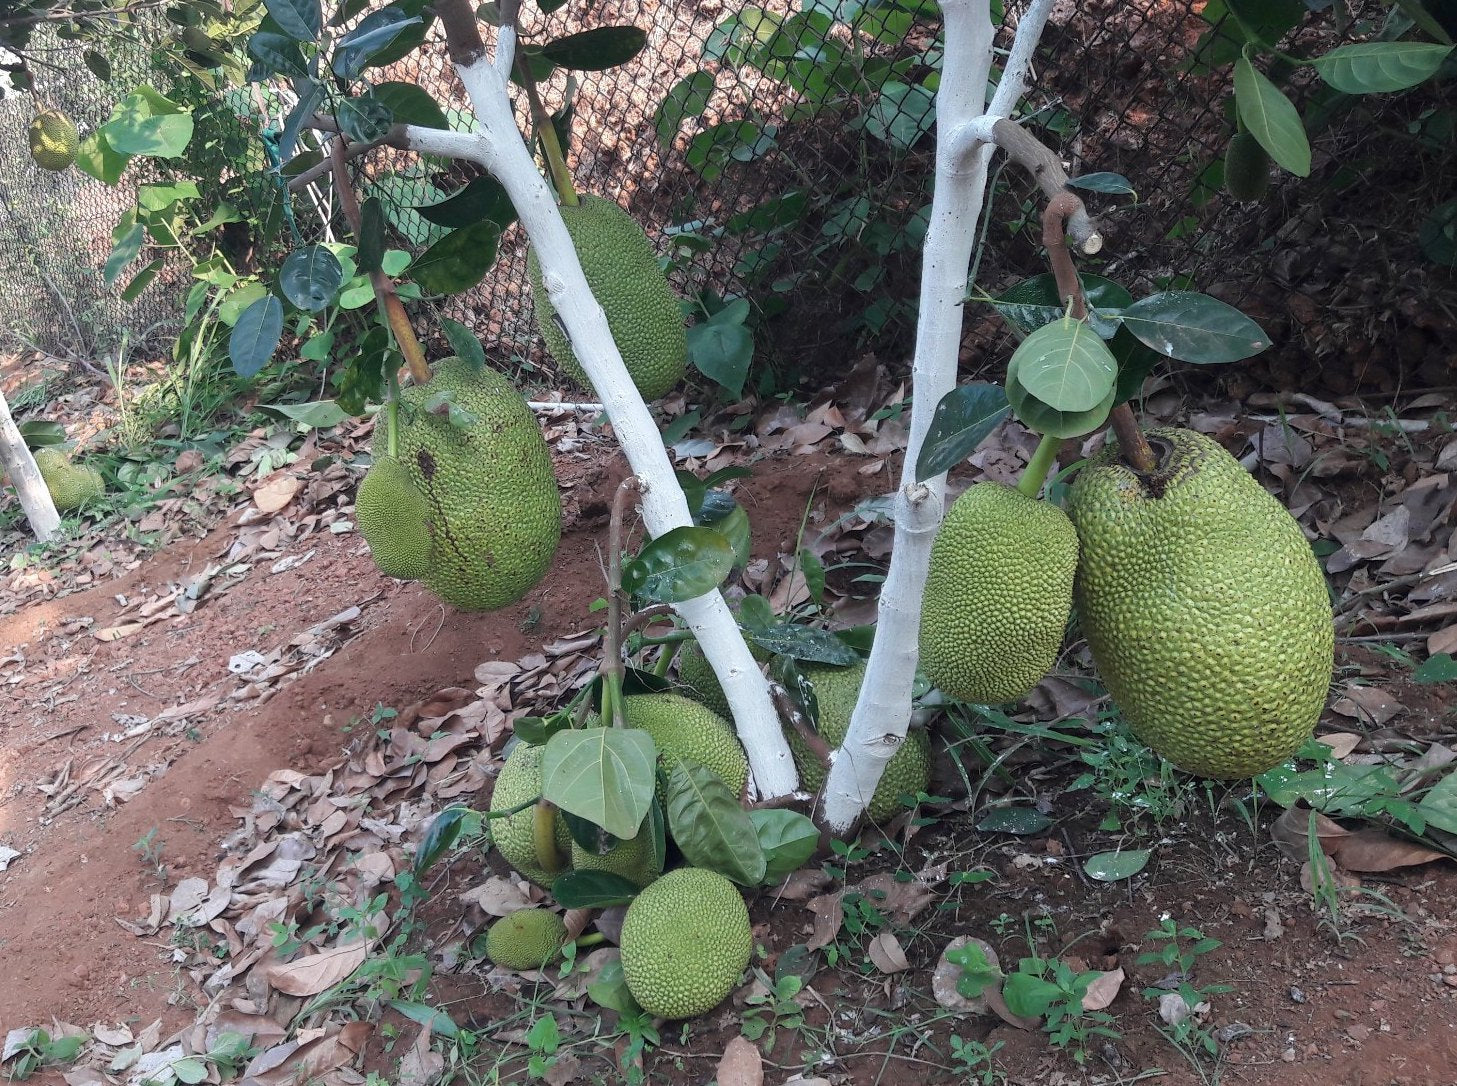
x: 1204, y: 606
x: 633, y: 858
x: 394, y: 520
x: 836, y: 691
x: 514, y: 836
x: 686, y: 940
x: 998, y: 592
x: 642, y: 311
x: 71, y: 485
x: 1246, y: 167
x: 53, y: 140
x: 526, y: 939
x: 681, y: 728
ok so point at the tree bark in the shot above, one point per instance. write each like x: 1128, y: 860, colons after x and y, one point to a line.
x: 35, y: 499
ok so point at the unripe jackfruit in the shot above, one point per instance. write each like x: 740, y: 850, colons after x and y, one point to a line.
x: 526, y: 939
x: 642, y: 311
x: 633, y: 858
x: 685, y: 941
x: 394, y: 520
x: 53, y: 140
x: 1204, y: 605
x: 998, y: 592
x: 71, y: 485
x: 681, y: 728
x: 514, y: 836
x: 1246, y: 167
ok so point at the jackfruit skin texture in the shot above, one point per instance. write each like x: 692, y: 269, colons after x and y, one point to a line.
x: 1246, y: 167
x: 699, y: 682
x: 494, y: 511
x: 519, y: 781
x: 71, y: 485
x: 836, y: 691
x: 681, y: 728
x: 526, y: 939
x: 998, y: 592
x: 53, y: 140
x: 1205, y: 608
x: 642, y: 311
x: 394, y: 520
x: 631, y: 858
x: 685, y: 941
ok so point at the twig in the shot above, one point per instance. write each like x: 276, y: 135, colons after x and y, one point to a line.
x: 644, y: 618
x: 1027, y: 151
x: 790, y: 712
x: 613, y: 668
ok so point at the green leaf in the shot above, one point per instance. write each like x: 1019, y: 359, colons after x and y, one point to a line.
x: 1136, y: 361
x: 97, y: 65
x: 367, y: 42
x: 1440, y: 668
x: 427, y: 1014
x: 37, y: 433
x: 722, y: 351
x: 1034, y: 302
x: 597, y: 49
x: 161, y: 197
x: 463, y: 343
x: 301, y: 20
x: 1113, y: 184
x: 318, y: 415
x: 364, y: 119
x: 687, y: 98
x: 411, y: 104
x: 483, y: 199
x: 610, y: 991
x: 1029, y: 996
x: 369, y: 257
x: 710, y: 826
x: 592, y: 890
x: 142, y: 280
x: 1270, y: 117
x: 189, y: 1070
x: 901, y: 114
x: 238, y: 300
x: 459, y: 260
x: 310, y: 277
x: 1375, y: 67
x: 255, y: 337
x: 147, y: 123
x: 805, y: 643
x: 679, y: 565
x: 787, y: 838
x: 1439, y: 805
x: 1066, y: 366
x: 1113, y: 866
x: 1438, y: 234
x: 605, y: 775
x: 96, y: 157
x: 278, y: 54
x: 1047, y: 420
x: 1194, y: 328
x: 1019, y: 820
x: 123, y: 252
x: 961, y: 422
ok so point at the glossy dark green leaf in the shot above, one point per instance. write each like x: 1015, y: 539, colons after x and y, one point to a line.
x: 1271, y: 118
x: 411, y: 104
x: 278, y: 54
x: 364, y: 119
x: 315, y: 415
x: 1136, y: 361
x: 369, y: 256
x: 537, y: 730
x: 685, y: 99
x: 722, y: 351
x: 301, y: 20
x: 679, y: 565
x: 124, y: 250
x: 255, y: 337
x: 610, y: 991
x: 97, y: 65
x: 37, y: 433
x: 797, y: 642
x: 1374, y: 67
x: 1019, y: 820
x: 311, y: 96
x: 788, y: 840
x: 592, y: 890
x: 1048, y: 420
x: 459, y: 260
x: 310, y: 277
x: 901, y: 114
x: 961, y: 422
x: 1116, y: 866
x: 1034, y: 302
x: 605, y: 775
x: 142, y: 280
x: 1439, y: 806
x: 483, y: 199
x: 597, y: 49
x: 710, y: 826
x: 813, y: 571
x: 463, y: 343
x: 443, y: 832
x: 1066, y: 366
x: 1114, y: 184
x: 1194, y: 327
x: 368, y: 41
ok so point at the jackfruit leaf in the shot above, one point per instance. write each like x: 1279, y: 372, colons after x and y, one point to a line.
x: 428, y: 1015
x: 255, y: 337
x: 1112, y: 184
x: 317, y: 415
x: 784, y: 670
x: 1439, y: 805
x: 1262, y: 21
x: 301, y: 20
x: 310, y: 277
x: 1045, y: 420
x: 1375, y: 67
x: 610, y: 991
x: 1437, y: 235
x: 637, y: 681
x: 1029, y: 996
x: 735, y: 528
x: 310, y: 96
x: 483, y: 199
x: 1136, y: 360
x: 604, y: 775
x: 589, y: 835
x: 710, y: 826
x: 1440, y: 668
x: 459, y: 260
x: 1022, y: 821
x: 366, y: 43
x: 791, y: 640
x: 1113, y: 866
x: 123, y: 252
x: 1034, y: 302
x: 735, y: 38
x: 592, y: 890
x: 686, y: 98
x: 463, y: 343
x: 722, y: 347
x: 38, y: 433
x: 1066, y: 366
x: 411, y: 105
x: 597, y: 49
x: 443, y: 832
x: 961, y: 422
x: 364, y: 119
x: 100, y: 160
x: 679, y: 565
x: 148, y: 123
x: 97, y: 65
x: 1335, y: 788
x: 813, y: 572
x: 788, y: 840
x: 1194, y: 328
x: 1271, y: 118
x: 902, y: 114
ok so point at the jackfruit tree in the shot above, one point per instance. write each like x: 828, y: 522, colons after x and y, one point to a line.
x: 19, y: 463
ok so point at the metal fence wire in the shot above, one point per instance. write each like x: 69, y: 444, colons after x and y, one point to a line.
x: 811, y: 190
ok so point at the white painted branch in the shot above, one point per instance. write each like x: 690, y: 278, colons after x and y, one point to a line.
x: 499, y: 147
x: 883, y: 712
x: 35, y: 498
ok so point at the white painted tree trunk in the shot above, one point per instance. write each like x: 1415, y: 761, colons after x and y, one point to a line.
x: 883, y: 712
x: 35, y: 499
x: 499, y: 147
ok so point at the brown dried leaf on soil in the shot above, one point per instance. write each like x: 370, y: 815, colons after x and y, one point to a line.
x: 293, y: 1064
x: 1376, y: 850
x: 1102, y: 990
x: 741, y: 1064
x: 318, y: 972
x: 946, y: 974
x: 1339, y: 877
x: 829, y: 914
x: 1340, y: 743
x: 901, y: 901
x: 1291, y: 833
x: 886, y: 953
x: 421, y: 1065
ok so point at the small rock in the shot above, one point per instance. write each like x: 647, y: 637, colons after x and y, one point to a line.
x: 1358, y: 1033
x: 1449, y: 970
x: 1343, y: 1014
x: 1450, y: 982
x: 1288, y: 1055
x: 1297, y: 995
x: 1232, y: 1032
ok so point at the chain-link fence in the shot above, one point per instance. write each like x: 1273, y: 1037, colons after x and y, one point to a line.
x: 804, y: 162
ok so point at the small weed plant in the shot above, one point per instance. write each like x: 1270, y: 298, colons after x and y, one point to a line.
x: 1179, y: 950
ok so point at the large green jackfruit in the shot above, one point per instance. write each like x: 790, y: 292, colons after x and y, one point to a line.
x: 1204, y: 605
x: 485, y: 476
x: 836, y: 691
x: 53, y: 140
x: 514, y: 836
x: 998, y: 592
x: 71, y: 485
x: 681, y: 728
x: 623, y: 271
x: 394, y: 520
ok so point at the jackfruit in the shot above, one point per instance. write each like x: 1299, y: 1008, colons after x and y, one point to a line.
x: 685, y: 941
x: 836, y: 691
x: 485, y: 477
x: 1246, y: 167
x: 53, y: 140
x: 1205, y: 608
x: 526, y: 939
x: 394, y: 520
x: 998, y: 593
x: 519, y: 781
x: 633, y: 858
x: 623, y: 271
x: 699, y: 682
x: 71, y: 485
x: 681, y: 728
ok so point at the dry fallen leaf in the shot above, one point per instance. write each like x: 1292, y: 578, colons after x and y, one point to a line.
x: 1102, y: 990
x: 1291, y: 833
x: 276, y: 493
x: 1342, y: 880
x: 829, y: 912
x: 886, y: 953
x: 741, y: 1064
x: 901, y: 901
x: 318, y: 972
x: 947, y: 973
x: 1376, y: 850
x: 1341, y: 743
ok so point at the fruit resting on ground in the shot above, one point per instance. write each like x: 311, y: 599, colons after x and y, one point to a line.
x: 681, y: 728
x: 519, y: 781
x: 1246, y: 167
x: 836, y: 690
x: 53, y: 140
x: 701, y: 684
x: 998, y: 592
x: 71, y: 485
x: 526, y: 939
x: 642, y: 311
x: 394, y: 520
x: 632, y: 858
x: 685, y: 941
x: 1204, y: 606
x: 485, y: 478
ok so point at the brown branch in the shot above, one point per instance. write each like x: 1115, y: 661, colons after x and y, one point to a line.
x: 1045, y: 168
x: 462, y: 31
x: 644, y: 618
x: 612, y: 665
